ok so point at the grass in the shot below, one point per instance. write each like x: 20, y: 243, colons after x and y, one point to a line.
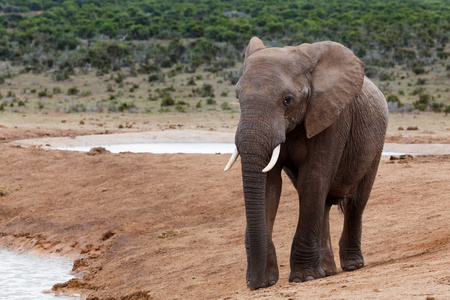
x: 170, y: 233
x: 99, y: 93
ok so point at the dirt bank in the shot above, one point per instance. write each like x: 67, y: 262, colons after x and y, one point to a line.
x: 172, y: 226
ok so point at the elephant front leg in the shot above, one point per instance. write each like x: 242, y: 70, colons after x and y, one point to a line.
x: 326, y: 252
x: 305, y: 253
x: 273, y: 192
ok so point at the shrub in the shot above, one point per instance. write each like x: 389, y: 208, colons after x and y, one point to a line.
x: 43, y: 93
x: 423, y: 102
x: 447, y: 109
x: 167, y: 101
x: 225, y: 106
x: 418, y: 68
x: 73, y: 91
x: 153, y: 77
x: 199, y: 104
x: 180, y: 108
x: 210, y: 101
x: 421, y: 81
x: 79, y: 107
x: 384, y: 76
x: 393, y: 98
x: 207, y: 90
x: 21, y: 103
x: 119, y: 77
x: 437, y: 107
x: 57, y: 90
x: 166, y: 63
x: 191, y: 81
x: 126, y: 106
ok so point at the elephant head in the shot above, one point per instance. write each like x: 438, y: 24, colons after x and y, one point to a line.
x: 282, y: 89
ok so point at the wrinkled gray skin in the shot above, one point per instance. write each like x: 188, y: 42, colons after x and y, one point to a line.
x: 331, y: 122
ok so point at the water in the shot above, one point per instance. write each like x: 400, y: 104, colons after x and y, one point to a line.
x: 170, y: 148
x: 24, y: 276
x: 159, y: 148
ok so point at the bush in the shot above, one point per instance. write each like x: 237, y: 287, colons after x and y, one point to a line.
x: 210, y: 101
x: 384, y: 76
x: 421, y: 81
x: 393, y: 98
x: 437, y: 107
x: 180, y: 108
x: 207, y: 90
x: 126, y: 106
x: 423, y: 102
x: 119, y: 77
x: 43, y: 93
x: 418, y: 69
x: 191, y: 81
x: 153, y: 78
x: 79, y: 107
x: 73, y: 91
x: 225, y: 106
x: 167, y: 101
x: 199, y: 104
x: 447, y: 109
x: 57, y: 90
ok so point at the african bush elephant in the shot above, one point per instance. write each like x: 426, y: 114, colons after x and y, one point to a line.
x: 310, y: 111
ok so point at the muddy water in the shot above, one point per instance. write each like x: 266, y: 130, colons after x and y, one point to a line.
x: 25, y: 276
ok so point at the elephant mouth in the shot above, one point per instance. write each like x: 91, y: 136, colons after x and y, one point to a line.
x: 270, y: 165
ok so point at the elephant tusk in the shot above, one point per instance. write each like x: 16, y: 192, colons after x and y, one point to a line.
x: 273, y: 160
x: 232, y: 160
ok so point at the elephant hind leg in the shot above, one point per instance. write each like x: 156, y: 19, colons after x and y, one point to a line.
x: 326, y: 252
x: 350, y: 243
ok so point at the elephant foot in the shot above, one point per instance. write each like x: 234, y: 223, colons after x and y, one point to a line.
x: 351, y: 260
x: 306, y: 274
x: 327, y: 263
x: 270, y: 279
x: 271, y: 275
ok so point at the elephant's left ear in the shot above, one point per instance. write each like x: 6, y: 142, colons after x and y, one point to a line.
x: 337, y: 77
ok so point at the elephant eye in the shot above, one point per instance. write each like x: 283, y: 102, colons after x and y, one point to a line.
x: 287, y: 101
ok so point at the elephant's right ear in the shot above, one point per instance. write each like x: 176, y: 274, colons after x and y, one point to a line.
x: 254, y: 45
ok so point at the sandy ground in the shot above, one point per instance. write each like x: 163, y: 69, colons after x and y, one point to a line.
x: 148, y: 226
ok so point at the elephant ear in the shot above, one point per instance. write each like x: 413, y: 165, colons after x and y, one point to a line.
x: 254, y: 45
x: 337, y: 77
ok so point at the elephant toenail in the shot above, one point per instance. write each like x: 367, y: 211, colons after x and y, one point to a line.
x: 351, y: 268
x: 272, y: 283
x: 309, y: 278
x: 296, y: 280
x: 248, y: 283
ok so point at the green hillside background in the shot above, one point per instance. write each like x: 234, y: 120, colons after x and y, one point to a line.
x: 155, y: 56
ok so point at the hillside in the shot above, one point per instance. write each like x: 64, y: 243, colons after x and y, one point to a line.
x: 190, y: 49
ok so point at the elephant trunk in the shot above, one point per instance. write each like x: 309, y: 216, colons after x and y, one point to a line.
x: 254, y: 183
x: 255, y: 148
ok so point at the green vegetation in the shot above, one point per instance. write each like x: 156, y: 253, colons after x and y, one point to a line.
x: 198, y: 46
